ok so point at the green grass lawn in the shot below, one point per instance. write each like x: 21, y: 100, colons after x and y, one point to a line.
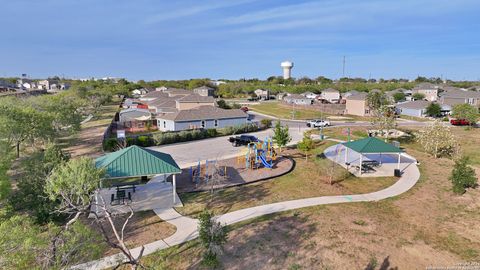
x: 281, y: 111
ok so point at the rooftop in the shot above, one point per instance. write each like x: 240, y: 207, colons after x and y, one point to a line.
x: 203, y: 113
x: 136, y: 161
x: 417, y: 104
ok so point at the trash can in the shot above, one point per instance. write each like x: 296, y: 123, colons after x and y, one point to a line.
x: 322, y: 137
x: 397, y: 173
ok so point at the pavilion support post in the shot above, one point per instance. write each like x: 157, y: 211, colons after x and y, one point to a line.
x: 346, y: 154
x: 380, y: 158
x: 398, y: 164
x: 361, y: 161
x: 174, y: 181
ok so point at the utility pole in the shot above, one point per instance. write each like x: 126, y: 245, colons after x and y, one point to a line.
x: 343, y: 67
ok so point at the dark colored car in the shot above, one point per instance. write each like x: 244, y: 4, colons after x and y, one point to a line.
x: 242, y: 140
x: 245, y: 109
x: 459, y: 122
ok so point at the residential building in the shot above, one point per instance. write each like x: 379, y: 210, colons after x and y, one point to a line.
x: 357, y: 105
x: 262, y: 94
x: 205, y: 91
x: 454, y: 97
x: 140, y: 91
x: 429, y: 90
x: 202, y: 117
x: 298, y: 99
x: 330, y: 95
x: 281, y: 96
x: 415, y: 108
x: 26, y: 84
x: 193, y: 101
x: 390, y: 94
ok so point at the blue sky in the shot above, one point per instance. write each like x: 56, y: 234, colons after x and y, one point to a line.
x: 147, y: 39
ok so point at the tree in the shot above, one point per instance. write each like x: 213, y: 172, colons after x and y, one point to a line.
x: 437, y: 140
x: 74, y: 184
x: 434, y: 110
x: 418, y: 96
x: 26, y: 245
x: 266, y: 123
x: 222, y: 104
x: 306, y: 144
x: 212, y: 236
x: 30, y: 193
x: 281, y: 135
x: 20, y: 123
x: 376, y: 99
x: 397, y: 97
x: 462, y: 176
x: 467, y: 112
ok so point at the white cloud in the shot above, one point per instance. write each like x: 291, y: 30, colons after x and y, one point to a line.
x: 193, y: 10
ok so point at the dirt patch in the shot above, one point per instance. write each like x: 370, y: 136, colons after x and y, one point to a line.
x: 143, y: 228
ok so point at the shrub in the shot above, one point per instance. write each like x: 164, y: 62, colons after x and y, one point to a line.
x: 110, y: 144
x: 130, y: 141
x: 266, y: 123
x: 211, y: 132
x: 143, y: 141
x: 463, y: 176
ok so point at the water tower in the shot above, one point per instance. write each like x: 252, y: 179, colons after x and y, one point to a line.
x: 287, y: 69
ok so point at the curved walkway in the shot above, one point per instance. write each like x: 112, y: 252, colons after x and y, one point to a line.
x: 187, y: 227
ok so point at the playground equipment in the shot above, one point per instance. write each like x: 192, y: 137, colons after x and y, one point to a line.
x: 210, y: 172
x: 260, y: 153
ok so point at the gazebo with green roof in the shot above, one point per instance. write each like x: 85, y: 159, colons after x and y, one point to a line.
x: 371, y: 145
x: 135, y: 161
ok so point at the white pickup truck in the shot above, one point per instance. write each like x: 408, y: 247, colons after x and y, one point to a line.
x: 318, y: 123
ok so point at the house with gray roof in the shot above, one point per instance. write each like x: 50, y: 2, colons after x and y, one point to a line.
x: 429, y: 90
x: 455, y: 97
x: 415, y: 108
x: 203, y: 117
x: 205, y: 91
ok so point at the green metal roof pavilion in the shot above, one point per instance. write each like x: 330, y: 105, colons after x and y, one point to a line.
x: 136, y: 161
x: 372, y: 145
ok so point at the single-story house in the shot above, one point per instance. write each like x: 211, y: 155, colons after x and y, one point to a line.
x: 200, y: 118
x: 331, y: 95
x: 429, y: 90
x: 454, y: 97
x: 356, y: 104
x: 390, y: 94
x: 415, y: 108
x: 298, y: 100
x: 205, y: 91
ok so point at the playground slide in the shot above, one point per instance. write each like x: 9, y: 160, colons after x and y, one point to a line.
x: 264, y: 162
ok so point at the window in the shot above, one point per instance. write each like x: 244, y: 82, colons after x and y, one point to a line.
x: 164, y: 124
x: 203, y: 123
x: 471, y: 101
x: 215, y: 123
x: 367, y: 111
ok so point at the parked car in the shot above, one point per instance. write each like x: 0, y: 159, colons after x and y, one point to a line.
x: 459, y: 122
x: 244, y: 108
x: 318, y: 123
x: 242, y: 140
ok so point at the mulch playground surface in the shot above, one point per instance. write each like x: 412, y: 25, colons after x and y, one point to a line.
x: 236, y: 174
